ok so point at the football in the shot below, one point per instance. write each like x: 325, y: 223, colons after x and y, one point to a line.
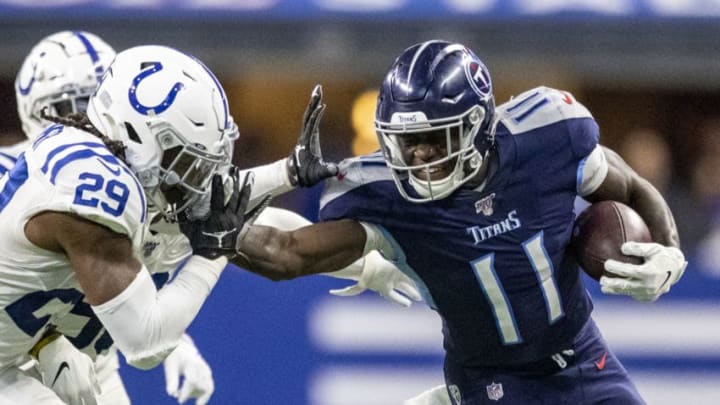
x: 600, y: 230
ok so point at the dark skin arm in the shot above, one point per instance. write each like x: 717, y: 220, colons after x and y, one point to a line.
x: 318, y: 248
x: 328, y: 246
x: 623, y: 184
x: 102, y: 259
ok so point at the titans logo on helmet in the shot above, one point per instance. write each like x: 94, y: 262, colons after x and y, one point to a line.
x: 479, y: 78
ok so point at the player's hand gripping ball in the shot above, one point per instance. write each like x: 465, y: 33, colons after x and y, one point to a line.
x: 601, y: 230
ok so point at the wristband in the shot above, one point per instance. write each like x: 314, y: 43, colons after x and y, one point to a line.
x: 46, y: 340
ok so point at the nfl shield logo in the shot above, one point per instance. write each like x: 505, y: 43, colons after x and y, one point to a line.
x: 485, y: 205
x: 495, y: 391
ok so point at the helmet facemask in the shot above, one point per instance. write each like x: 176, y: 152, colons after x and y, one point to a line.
x: 61, y: 104
x: 454, y: 142
x: 183, y: 174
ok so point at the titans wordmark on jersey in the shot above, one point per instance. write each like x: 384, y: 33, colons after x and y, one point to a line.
x: 65, y: 170
x: 491, y: 262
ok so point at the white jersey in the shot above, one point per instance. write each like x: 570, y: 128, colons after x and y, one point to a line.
x: 164, y: 250
x: 64, y: 170
x: 9, y: 155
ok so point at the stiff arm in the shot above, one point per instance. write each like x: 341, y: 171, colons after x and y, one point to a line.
x: 372, y: 271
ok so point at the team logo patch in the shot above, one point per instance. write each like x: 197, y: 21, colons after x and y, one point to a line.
x: 494, y: 391
x: 455, y: 393
x: 485, y: 205
x: 479, y: 78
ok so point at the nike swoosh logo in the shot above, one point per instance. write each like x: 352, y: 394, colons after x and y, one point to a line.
x: 567, y: 98
x: 666, y: 279
x: 62, y: 367
x: 600, y: 364
x: 115, y: 171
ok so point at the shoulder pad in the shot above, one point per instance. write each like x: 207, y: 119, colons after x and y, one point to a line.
x: 87, y: 179
x: 539, y: 107
x: 355, y: 172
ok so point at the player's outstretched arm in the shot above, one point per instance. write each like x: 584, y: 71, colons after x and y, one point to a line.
x: 283, y: 255
x: 664, y: 261
x: 271, y: 252
x: 371, y: 272
x: 144, y: 323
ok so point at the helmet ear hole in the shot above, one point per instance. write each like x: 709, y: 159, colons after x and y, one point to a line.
x: 477, y: 115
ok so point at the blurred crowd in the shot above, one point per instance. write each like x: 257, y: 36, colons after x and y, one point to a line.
x: 694, y: 199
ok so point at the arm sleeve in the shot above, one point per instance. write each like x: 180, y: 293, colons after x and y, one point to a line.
x: 269, y: 179
x: 147, y: 324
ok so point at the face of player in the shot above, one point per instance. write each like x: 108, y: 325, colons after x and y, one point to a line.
x: 186, y: 176
x: 428, y: 152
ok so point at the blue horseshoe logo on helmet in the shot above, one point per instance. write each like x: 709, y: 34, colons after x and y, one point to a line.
x: 156, y: 109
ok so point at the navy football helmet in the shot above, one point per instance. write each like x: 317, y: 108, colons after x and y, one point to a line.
x: 440, y: 92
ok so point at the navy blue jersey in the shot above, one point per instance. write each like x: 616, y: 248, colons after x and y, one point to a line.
x: 492, y: 262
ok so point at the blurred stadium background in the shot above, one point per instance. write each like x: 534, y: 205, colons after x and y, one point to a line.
x: 649, y: 70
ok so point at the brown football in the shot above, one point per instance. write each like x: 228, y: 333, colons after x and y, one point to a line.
x: 599, y: 232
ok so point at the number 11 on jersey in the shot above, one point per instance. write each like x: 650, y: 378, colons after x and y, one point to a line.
x: 486, y: 275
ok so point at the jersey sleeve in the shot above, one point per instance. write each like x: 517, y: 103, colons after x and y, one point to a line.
x: 87, y: 180
x: 6, y: 162
x: 357, y: 191
x: 10, y: 154
x: 544, y: 107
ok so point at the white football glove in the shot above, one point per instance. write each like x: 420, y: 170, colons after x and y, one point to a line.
x: 186, y: 361
x: 645, y: 282
x: 68, y: 372
x: 384, y: 278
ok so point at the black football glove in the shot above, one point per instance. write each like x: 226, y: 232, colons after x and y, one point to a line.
x: 306, y: 166
x: 216, y: 234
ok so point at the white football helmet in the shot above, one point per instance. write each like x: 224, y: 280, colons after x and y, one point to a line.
x: 60, y: 72
x: 171, y: 113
